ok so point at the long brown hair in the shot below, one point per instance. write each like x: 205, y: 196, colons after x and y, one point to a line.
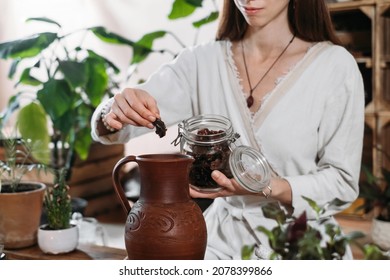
x: 309, y: 20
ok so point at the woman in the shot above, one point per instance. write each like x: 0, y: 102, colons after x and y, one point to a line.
x: 291, y: 92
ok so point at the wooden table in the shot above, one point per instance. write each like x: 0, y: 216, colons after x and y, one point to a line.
x: 83, y: 252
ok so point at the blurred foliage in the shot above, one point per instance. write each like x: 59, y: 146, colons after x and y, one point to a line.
x: 74, y: 79
x: 375, y: 192
x: 295, y: 239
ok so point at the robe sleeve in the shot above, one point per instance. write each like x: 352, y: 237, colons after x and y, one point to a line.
x: 340, y: 144
x: 172, y: 85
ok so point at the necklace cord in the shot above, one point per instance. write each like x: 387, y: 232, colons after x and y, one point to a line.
x: 250, y: 99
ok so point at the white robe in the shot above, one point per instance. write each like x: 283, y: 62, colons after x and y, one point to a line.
x: 312, y: 134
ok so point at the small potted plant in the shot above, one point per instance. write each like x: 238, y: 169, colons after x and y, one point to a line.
x: 20, y: 199
x: 295, y: 239
x: 375, y: 192
x: 58, y: 235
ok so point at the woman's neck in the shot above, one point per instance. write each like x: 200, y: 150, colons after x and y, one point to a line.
x: 264, y: 42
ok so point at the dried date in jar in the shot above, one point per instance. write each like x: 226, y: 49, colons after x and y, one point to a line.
x: 208, y: 158
x: 209, y: 139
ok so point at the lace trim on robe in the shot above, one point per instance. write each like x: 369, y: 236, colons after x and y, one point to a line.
x: 252, y: 115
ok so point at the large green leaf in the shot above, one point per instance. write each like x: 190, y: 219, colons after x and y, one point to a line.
x: 148, y: 39
x: 84, y: 113
x: 143, y: 47
x: 27, y: 79
x: 32, y: 124
x: 83, y: 143
x: 27, y: 47
x: 75, y: 129
x: 12, y: 106
x: 75, y: 73
x: 109, y: 37
x: 195, y: 3
x: 213, y: 16
x: 109, y: 63
x: 140, y: 54
x: 65, y: 123
x: 98, y: 80
x: 181, y: 9
x: 44, y: 19
x: 12, y: 69
x: 56, y: 97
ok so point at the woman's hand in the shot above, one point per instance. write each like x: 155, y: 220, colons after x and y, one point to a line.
x: 281, y: 189
x: 132, y: 106
x: 230, y: 187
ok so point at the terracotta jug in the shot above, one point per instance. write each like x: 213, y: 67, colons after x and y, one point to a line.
x: 165, y: 223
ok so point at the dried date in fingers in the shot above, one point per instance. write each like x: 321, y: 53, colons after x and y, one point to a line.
x: 160, y: 127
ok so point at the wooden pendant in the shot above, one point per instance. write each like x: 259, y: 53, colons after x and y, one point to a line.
x: 250, y: 101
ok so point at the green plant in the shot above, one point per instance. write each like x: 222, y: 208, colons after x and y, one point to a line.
x: 373, y: 252
x: 57, y: 203
x: 67, y: 81
x: 17, y: 163
x: 70, y: 83
x: 375, y: 192
x: 297, y: 240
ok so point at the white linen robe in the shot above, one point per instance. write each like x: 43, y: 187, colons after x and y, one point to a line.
x: 312, y: 135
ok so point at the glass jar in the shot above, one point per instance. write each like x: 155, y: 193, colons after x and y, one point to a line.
x: 211, y: 141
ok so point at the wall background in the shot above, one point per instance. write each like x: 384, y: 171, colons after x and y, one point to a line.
x: 129, y: 18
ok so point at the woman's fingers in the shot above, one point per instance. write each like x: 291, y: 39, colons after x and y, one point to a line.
x: 141, y: 101
x: 112, y: 120
x: 127, y: 113
x: 133, y: 106
x: 229, y: 187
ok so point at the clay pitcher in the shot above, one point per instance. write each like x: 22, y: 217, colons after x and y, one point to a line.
x: 165, y: 223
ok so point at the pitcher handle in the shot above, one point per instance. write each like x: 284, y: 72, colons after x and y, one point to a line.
x: 117, y: 183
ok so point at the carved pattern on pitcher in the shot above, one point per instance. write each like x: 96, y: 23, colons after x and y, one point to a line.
x: 163, y: 221
x: 134, y: 220
x: 189, y: 218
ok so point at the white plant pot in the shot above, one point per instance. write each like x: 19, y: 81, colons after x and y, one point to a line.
x: 58, y: 241
x: 380, y: 234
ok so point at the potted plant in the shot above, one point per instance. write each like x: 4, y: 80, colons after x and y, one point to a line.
x: 20, y: 200
x: 375, y: 192
x: 295, y: 239
x: 58, y: 235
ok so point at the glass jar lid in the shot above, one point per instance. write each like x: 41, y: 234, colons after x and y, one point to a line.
x: 191, y: 130
x: 250, y: 168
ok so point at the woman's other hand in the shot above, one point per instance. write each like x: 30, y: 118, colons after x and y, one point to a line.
x: 281, y: 189
x: 229, y: 187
